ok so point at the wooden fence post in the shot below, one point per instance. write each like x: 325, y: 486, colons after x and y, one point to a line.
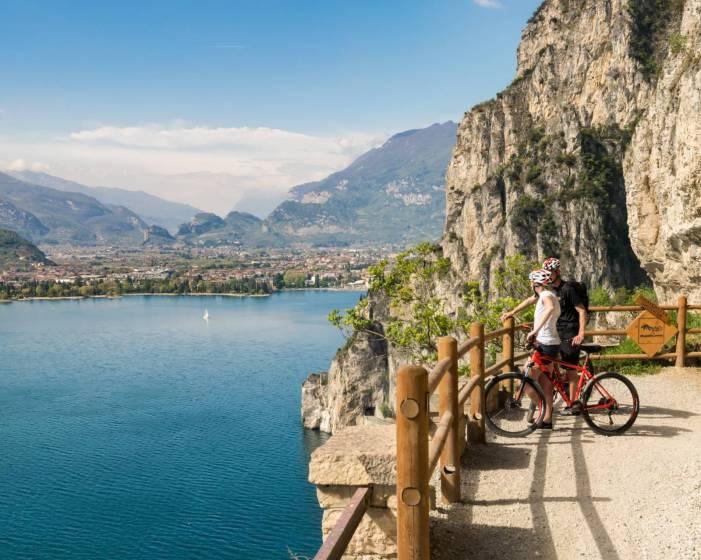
x: 508, y: 352
x: 508, y: 345
x: 476, y: 430
x: 681, y: 335
x: 448, y: 393
x: 412, y: 464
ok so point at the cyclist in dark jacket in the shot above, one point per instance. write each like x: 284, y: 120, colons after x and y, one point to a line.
x: 570, y: 325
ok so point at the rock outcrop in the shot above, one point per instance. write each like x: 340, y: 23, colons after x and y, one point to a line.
x: 663, y: 169
x: 157, y: 235
x: 539, y: 169
x: 356, y: 385
x: 592, y: 153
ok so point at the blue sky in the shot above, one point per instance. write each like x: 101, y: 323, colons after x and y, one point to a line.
x: 90, y: 89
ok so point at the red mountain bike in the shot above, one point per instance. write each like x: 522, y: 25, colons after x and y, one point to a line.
x: 608, y: 401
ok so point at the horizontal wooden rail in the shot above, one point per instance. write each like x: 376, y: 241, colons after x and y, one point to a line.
x: 606, y: 332
x: 467, y: 389
x: 438, y: 441
x: 604, y: 308
x: 693, y: 331
x: 496, y: 367
x: 496, y: 334
x: 336, y: 543
x: 521, y: 356
x: 607, y: 308
x: 617, y: 357
x: 466, y: 346
x: 437, y: 373
x: 693, y: 354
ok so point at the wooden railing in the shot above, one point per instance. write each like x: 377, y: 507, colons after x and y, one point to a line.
x: 416, y: 458
x: 680, y: 354
x: 418, y: 455
x: 335, y: 544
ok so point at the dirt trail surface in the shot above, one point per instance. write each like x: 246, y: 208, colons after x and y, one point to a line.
x: 571, y: 493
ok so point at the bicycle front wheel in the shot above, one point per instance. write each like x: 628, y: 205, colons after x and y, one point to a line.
x: 517, y: 412
x: 611, y: 404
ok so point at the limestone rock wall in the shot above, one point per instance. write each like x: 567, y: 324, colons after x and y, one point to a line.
x: 663, y: 170
x: 539, y: 169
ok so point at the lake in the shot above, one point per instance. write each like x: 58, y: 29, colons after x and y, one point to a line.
x: 132, y: 428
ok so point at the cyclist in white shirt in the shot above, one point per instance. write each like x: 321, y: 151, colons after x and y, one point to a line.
x: 544, y: 334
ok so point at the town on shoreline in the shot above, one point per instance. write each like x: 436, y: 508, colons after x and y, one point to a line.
x: 81, y: 272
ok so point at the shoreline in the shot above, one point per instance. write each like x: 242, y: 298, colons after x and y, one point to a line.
x: 64, y: 298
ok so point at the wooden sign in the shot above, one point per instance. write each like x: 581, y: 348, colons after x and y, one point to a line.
x: 650, y: 332
x: 653, y: 309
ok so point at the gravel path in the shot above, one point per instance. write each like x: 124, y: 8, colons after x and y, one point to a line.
x: 574, y: 494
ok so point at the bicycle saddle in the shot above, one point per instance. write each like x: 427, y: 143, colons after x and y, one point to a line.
x: 590, y: 348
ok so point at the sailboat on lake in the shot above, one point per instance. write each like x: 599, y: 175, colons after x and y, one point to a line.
x: 206, y: 315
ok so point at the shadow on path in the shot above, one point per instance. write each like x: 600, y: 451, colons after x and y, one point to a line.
x: 592, y: 518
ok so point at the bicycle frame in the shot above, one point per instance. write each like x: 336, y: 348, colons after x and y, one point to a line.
x: 585, y: 376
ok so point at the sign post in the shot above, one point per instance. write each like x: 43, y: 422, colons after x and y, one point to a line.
x: 652, y: 329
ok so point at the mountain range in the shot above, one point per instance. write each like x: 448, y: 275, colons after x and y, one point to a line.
x: 152, y: 209
x: 46, y: 215
x: 392, y: 194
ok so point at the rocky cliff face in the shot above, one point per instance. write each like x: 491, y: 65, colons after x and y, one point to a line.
x: 662, y: 169
x: 564, y: 160
x: 356, y: 386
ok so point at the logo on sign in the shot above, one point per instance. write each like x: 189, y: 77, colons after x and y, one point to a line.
x: 650, y: 332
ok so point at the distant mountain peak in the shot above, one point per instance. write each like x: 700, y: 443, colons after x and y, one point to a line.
x: 152, y: 209
x: 50, y: 215
x: 18, y: 253
x: 391, y: 194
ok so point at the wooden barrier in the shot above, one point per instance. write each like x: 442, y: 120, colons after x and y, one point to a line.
x: 412, y: 464
x: 448, y: 405
x: 680, y: 355
x: 417, y: 457
x: 476, y: 423
x: 681, y: 331
x: 336, y: 543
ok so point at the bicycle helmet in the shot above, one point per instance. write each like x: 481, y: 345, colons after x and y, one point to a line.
x: 551, y: 263
x: 540, y: 276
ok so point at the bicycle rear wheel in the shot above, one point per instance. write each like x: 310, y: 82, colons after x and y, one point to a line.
x: 508, y: 413
x: 610, y: 404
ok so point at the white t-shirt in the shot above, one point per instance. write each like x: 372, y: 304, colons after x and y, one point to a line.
x: 548, y: 332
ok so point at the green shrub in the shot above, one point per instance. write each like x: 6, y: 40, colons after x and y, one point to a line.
x: 677, y: 43
x: 525, y: 217
x: 598, y: 297
x: 628, y: 367
x: 650, y: 22
x: 534, y: 172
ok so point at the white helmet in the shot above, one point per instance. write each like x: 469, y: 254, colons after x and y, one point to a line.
x: 540, y: 276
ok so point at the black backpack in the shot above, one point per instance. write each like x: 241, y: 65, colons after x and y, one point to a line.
x: 581, y: 289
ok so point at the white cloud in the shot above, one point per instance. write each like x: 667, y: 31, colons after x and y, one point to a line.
x: 211, y: 168
x: 22, y: 165
x: 488, y: 3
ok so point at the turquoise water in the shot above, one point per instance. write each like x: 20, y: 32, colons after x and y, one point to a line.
x: 132, y: 428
